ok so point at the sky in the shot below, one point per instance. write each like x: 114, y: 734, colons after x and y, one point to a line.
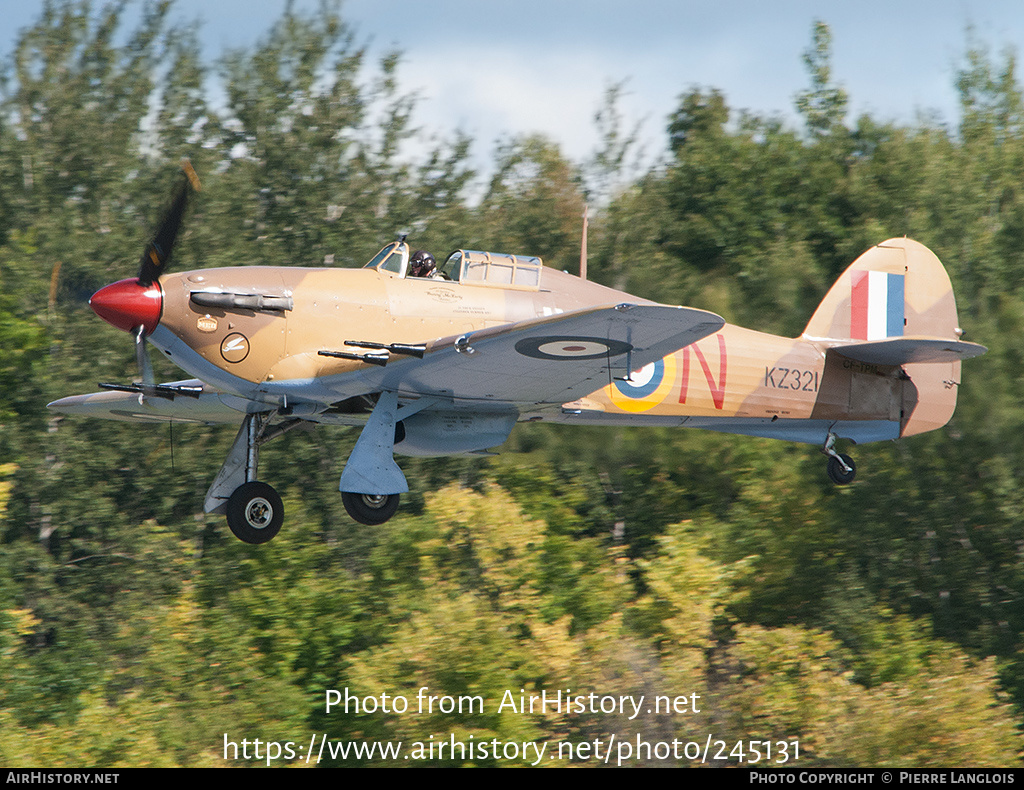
x: 497, y: 69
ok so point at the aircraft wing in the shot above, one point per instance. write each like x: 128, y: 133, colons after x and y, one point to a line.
x: 542, y: 362
x: 550, y: 360
x: 209, y: 406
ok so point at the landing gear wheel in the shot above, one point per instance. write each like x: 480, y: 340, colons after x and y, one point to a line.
x: 255, y: 512
x: 370, y: 509
x: 837, y: 474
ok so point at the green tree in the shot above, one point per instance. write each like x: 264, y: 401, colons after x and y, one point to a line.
x: 823, y: 105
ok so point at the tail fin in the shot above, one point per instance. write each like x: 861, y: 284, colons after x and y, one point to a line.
x: 897, y: 289
x: 894, y: 305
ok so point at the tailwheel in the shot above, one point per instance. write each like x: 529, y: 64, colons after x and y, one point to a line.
x: 841, y: 469
x: 370, y: 509
x: 255, y: 512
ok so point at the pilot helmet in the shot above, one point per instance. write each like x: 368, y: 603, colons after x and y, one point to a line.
x: 422, y: 263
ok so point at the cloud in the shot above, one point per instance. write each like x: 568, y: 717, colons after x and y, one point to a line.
x: 504, y: 91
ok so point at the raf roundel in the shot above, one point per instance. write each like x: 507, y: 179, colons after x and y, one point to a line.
x: 567, y: 347
x: 646, y: 387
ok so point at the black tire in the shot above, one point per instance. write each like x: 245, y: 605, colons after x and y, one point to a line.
x: 837, y: 474
x: 369, y: 508
x: 255, y: 512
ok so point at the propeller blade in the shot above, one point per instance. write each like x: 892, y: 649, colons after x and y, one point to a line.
x: 158, y: 252
x: 141, y: 357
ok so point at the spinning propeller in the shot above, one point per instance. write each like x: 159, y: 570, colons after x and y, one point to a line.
x: 158, y: 251
x: 135, y: 305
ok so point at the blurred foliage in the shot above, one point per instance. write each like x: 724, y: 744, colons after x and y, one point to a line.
x: 877, y: 624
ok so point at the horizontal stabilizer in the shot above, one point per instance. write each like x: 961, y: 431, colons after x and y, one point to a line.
x: 910, y: 350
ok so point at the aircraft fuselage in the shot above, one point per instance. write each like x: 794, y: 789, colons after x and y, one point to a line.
x: 738, y: 380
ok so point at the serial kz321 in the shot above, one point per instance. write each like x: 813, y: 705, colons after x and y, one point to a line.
x: 444, y: 360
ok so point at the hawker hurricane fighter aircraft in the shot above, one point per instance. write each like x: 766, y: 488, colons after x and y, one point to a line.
x: 447, y: 364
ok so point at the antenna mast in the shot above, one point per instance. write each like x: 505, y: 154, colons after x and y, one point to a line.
x: 583, y: 244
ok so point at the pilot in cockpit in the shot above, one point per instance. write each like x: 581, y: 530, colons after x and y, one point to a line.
x: 422, y: 264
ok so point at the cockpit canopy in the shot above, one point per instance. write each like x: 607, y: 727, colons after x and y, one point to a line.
x: 471, y: 267
x: 493, y: 268
x: 393, y: 258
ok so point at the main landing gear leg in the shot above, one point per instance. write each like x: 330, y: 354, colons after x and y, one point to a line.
x: 840, y: 468
x: 254, y: 509
x: 371, y: 482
